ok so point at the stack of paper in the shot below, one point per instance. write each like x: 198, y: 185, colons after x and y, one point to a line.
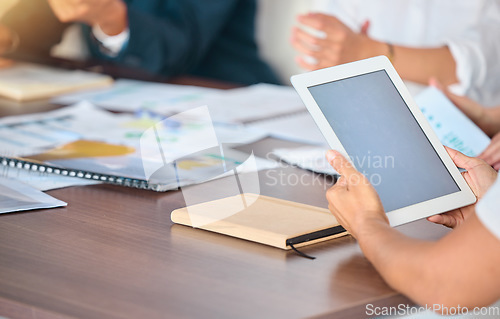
x: 86, y: 138
x: 43, y: 181
x: 453, y: 128
x: 131, y: 96
x: 253, y: 103
x: 307, y: 157
x: 299, y: 127
x: 239, y: 105
x: 16, y: 197
x: 24, y: 81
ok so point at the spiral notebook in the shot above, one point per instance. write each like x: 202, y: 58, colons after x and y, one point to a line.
x: 85, y: 142
x: 120, y: 165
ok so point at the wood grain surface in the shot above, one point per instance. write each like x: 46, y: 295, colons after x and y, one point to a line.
x: 114, y: 253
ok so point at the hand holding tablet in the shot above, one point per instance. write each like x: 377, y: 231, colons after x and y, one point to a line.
x: 344, y: 197
x: 366, y: 113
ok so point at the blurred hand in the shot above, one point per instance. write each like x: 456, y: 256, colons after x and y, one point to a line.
x: 5, y: 39
x: 338, y: 45
x: 488, y: 119
x: 480, y: 176
x: 353, y: 200
x: 491, y: 154
x: 109, y: 15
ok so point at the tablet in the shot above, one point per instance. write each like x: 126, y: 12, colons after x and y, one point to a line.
x: 365, y: 111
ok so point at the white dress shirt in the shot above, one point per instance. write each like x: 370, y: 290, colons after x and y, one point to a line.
x: 470, y: 28
x: 488, y: 209
x: 113, y: 43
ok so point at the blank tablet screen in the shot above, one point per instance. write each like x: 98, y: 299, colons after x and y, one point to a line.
x: 383, y: 139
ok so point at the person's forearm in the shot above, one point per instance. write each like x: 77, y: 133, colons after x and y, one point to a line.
x: 419, y: 65
x: 401, y: 261
x: 490, y: 121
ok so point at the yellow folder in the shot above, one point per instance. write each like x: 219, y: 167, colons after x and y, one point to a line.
x: 262, y: 219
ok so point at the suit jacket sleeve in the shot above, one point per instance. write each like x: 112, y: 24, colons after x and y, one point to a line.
x: 175, y: 38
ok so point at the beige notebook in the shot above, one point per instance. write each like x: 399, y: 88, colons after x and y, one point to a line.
x: 26, y: 81
x: 262, y: 219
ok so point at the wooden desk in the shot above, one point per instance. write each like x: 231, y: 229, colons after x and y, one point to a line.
x: 114, y: 253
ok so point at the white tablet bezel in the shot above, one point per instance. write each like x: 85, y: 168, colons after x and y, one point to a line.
x: 410, y: 213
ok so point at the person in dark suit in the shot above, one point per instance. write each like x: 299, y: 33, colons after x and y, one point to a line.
x: 213, y: 39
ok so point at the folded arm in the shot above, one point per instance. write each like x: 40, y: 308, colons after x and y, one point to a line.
x: 339, y: 44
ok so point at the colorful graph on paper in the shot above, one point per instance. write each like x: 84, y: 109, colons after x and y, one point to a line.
x: 453, y: 128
